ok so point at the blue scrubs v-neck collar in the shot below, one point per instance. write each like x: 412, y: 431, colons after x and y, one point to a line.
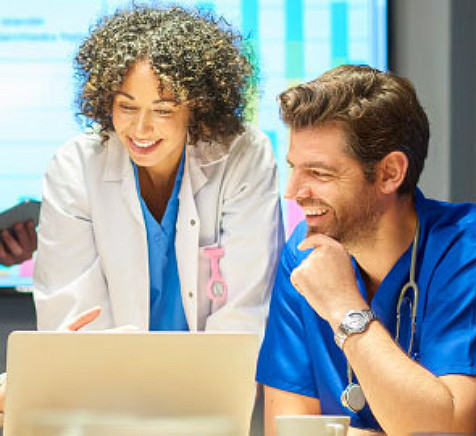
x: 385, y: 300
x: 166, y: 307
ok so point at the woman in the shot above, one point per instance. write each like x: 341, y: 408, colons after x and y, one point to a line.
x: 168, y: 216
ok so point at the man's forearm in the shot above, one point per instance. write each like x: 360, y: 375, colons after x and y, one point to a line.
x: 403, y: 395
x: 353, y: 431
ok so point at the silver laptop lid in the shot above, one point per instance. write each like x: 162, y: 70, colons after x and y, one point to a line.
x: 149, y: 375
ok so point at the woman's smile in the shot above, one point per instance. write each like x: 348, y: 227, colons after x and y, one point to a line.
x: 143, y: 147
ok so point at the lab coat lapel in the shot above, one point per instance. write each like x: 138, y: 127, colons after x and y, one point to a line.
x: 203, y: 157
x: 197, y: 171
x: 118, y: 168
x: 119, y: 173
x: 197, y: 178
x: 129, y: 194
x: 187, y: 239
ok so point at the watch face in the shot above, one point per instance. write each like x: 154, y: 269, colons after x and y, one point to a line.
x: 355, y: 321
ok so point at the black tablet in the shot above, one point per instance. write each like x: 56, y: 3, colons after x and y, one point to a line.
x: 22, y: 212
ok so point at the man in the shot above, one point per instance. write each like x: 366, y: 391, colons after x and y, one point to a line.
x: 358, y: 142
x: 17, y: 244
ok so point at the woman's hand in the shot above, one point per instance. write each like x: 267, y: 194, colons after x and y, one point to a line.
x: 88, y: 317
x: 83, y: 319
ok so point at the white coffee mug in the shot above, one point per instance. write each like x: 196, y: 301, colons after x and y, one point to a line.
x: 312, y: 425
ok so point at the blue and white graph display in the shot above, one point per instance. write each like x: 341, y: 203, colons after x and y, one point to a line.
x: 295, y: 40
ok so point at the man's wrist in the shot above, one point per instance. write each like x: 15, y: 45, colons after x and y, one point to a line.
x: 353, y: 322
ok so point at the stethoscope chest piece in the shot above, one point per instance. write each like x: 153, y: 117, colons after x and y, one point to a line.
x: 353, y: 397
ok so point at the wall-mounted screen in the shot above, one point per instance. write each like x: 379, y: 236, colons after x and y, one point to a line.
x: 295, y: 40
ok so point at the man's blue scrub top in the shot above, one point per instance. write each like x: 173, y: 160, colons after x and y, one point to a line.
x: 299, y: 353
x: 166, y: 308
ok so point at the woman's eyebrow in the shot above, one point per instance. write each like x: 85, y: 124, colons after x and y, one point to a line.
x: 125, y: 94
x: 161, y: 100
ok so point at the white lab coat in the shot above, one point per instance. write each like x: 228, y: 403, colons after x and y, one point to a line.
x: 92, y: 245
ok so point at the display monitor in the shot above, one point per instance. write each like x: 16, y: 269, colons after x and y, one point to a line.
x: 294, y: 40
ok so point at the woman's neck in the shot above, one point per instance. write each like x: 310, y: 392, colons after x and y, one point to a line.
x: 156, y: 186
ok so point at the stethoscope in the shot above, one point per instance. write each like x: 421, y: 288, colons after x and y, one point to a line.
x: 353, y: 397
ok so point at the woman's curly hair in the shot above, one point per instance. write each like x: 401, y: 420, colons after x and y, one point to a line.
x: 200, y: 58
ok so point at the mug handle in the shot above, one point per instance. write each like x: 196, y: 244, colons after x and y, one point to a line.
x: 335, y: 430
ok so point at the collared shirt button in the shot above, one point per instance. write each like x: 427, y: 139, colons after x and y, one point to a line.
x: 190, y: 294
x: 192, y: 222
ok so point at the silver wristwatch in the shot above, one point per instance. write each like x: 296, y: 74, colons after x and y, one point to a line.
x: 355, y: 321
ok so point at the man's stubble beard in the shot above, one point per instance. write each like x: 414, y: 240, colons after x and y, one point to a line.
x: 360, y: 222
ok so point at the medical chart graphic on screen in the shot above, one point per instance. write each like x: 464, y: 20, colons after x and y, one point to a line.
x: 295, y: 40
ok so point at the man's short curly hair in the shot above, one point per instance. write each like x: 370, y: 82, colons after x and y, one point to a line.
x: 200, y: 58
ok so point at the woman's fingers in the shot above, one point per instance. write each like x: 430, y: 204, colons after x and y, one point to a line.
x: 84, y: 318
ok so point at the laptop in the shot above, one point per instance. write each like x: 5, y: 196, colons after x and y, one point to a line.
x: 161, y: 377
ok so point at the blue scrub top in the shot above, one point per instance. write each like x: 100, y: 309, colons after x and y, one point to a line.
x: 166, y: 308
x: 299, y: 353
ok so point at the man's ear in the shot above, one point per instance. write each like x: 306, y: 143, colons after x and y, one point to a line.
x: 391, y: 172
